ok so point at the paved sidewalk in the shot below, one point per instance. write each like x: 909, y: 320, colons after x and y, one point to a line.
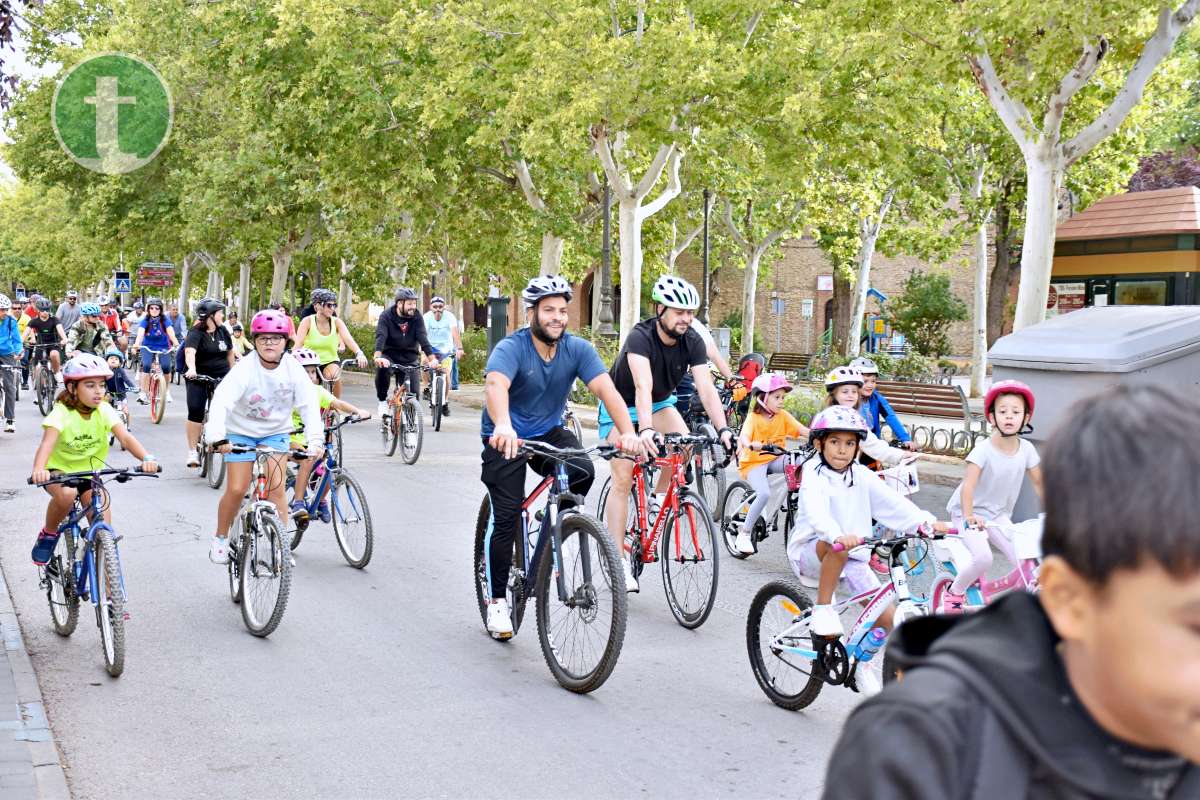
x: 29, y: 762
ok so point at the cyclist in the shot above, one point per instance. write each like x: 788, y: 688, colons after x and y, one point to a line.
x: 326, y: 334
x: 528, y: 377
x: 75, y: 439
x: 654, y: 358
x: 686, y: 390
x: 133, y: 319
x: 874, y: 406
x: 10, y: 356
x: 111, y: 318
x: 177, y: 320
x: 45, y: 329
x: 156, y: 333
x: 88, y: 335
x: 312, y: 363
x: 68, y: 311
x: 253, y: 406
x: 400, y: 339
x: 120, y: 384
x: 843, y: 385
x: 241, y: 345
x: 444, y: 336
x: 208, y: 351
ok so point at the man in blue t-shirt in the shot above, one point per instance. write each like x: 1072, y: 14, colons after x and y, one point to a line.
x: 528, y: 378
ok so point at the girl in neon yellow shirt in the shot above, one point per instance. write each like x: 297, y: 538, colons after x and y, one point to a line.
x: 75, y: 439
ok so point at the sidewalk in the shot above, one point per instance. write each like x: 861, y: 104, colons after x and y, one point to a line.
x: 29, y: 763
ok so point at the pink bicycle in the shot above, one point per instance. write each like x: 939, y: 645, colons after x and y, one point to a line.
x: 1018, y: 542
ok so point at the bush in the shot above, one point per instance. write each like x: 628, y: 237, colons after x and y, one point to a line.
x: 364, y: 335
x: 470, y: 369
x: 805, y: 402
x: 924, y: 310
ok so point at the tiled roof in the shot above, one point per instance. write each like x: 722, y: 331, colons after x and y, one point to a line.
x: 1162, y: 211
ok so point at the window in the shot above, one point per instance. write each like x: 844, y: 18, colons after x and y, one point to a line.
x: 1141, y: 293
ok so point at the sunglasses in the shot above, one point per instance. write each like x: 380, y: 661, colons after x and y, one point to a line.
x: 332, y: 304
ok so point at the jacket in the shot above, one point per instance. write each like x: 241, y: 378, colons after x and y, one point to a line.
x: 401, y: 339
x: 876, y: 410
x: 985, y: 710
x: 10, y: 336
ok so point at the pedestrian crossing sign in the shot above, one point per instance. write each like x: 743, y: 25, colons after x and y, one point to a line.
x: 123, y: 285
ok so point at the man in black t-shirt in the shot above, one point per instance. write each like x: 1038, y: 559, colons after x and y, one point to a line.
x: 656, y: 355
x: 44, y: 329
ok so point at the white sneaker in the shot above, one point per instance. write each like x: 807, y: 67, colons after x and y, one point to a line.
x: 170, y: 399
x: 382, y: 409
x: 631, y: 584
x: 218, y: 551
x: 867, y: 681
x: 744, y: 543
x: 141, y: 398
x: 810, y: 582
x: 825, y: 622
x: 499, y: 622
x: 193, y: 457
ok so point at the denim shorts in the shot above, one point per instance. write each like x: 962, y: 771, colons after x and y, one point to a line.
x: 165, y: 360
x: 277, y: 442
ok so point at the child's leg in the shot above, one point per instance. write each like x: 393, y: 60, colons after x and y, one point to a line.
x: 277, y: 488
x: 971, y: 555
x: 61, y: 500
x: 757, y: 478
x: 832, y: 565
x: 237, y: 481
x: 86, y: 500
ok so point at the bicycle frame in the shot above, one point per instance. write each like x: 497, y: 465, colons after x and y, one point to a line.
x: 85, y: 568
x: 557, y: 485
x: 982, y: 592
x: 649, y: 535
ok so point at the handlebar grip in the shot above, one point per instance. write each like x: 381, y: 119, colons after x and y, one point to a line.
x: 838, y: 547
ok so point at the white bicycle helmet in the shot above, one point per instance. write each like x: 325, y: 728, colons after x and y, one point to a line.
x: 306, y: 357
x: 5, y: 302
x: 675, y: 292
x: 545, y: 286
x: 865, y: 365
x: 85, y: 365
x: 840, y: 376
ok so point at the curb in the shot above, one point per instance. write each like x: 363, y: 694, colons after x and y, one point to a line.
x: 29, y: 725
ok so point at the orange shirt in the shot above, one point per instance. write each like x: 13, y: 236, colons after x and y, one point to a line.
x: 767, y: 430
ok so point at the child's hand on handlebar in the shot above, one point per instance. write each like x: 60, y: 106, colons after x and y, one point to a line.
x: 39, y: 476
x: 849, y: 542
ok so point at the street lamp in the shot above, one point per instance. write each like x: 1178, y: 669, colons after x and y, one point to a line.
x: 604, y: 314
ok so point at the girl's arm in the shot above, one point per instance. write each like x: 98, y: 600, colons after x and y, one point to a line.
x: 348, y: 341
x: 967, y: 498
x: 301, y: 331
x: 346, y: 408
x: 880, y: 451
x: 893, y: 509
x: 39, y: 474
x: 814, y: 498
x: 132, y: 445
x: 1035, y: 477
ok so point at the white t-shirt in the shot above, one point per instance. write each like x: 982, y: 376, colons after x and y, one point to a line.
x: 257, y: 402
x: 438, y: 331
x: 999, y: 483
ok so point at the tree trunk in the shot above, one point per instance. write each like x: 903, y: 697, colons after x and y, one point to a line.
x: 750, y: 299
x: 979, y: 345
x: 1044, y: 172
x: 629, y: 236
x: 552, y: 250
x: 244, y: 292
x: 215, y: 284
x: 843, y: 299
x: 185, y: 280
x: 281, y: 260
x: 344, y: 290
x: 1002, y: 268
x: 868, y: 235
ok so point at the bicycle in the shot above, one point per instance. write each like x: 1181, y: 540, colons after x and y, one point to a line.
x: 44, y: 382
x: 347, y: 502
x: 792, y: 665
x: 740, y: 496
x: 582, y: 564
x: 570, y: 422
x: 94, y: 573
x: 708, y: 470
x: 438, y: 390
x: 403, y: 424
x: 260, y: 560
x: 212, y: 463
x: 121, y: 405
x: 1023, y: 576
x: 158, y: 385
x: 691, y: 562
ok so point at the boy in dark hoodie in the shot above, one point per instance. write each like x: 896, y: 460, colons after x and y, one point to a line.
x: 1090, y: 689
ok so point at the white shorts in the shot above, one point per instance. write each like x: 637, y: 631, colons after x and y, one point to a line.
x: 857, y: 576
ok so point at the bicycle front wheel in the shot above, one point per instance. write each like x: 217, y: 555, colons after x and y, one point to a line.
x: 412, y: 430
x: 60, y: 585
x: 734, y: 508
x: 437, y: 396
x: 689, y: 561
x: 266, y: 575
x: 45, y: 391
x: 216, y: 468
x: 352, y: 520
x: 109, y: 594
x: 388, y: 426
x: 581, y: 634
x: 788, y: 678
x: 710, y: 475
x: 158, y: 398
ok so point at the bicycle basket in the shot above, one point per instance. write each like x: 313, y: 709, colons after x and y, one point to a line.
x: 792, y: 472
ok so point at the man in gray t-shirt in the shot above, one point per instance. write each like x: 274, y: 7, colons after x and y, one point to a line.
x: 69, y: 310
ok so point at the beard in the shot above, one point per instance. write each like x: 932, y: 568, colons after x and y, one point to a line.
x: 670, y: 331
x: 542, y: 335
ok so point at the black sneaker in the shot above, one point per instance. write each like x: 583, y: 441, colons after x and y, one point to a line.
x: 445, y: 409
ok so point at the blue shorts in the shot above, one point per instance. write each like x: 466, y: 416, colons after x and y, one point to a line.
x: 605, y: 423
x: 165, y: 360
x: 278, y: 442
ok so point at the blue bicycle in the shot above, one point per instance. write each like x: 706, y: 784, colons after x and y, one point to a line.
x: 347, y: 505
x: 86, y: 565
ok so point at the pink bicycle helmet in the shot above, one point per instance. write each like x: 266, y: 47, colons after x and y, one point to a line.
x: 769, y: 382
x: 306, y: 357
x: 1008, y: 387
x: 837, y: 418
x: 86, y: 365
x: 270, y: 321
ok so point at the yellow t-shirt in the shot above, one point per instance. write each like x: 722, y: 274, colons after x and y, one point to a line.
x: 325, y: 398
x: 240, y: 345
x: 766, y: 430
x: 82, y: 442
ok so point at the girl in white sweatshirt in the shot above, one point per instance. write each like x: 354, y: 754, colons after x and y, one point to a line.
x: 253, y: 406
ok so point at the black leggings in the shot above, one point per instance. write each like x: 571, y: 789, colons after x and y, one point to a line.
x: 197, y: 399
x: 505, y: 481
x: 383, y: 381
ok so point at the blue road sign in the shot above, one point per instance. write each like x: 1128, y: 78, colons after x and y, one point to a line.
x: 123, y: 285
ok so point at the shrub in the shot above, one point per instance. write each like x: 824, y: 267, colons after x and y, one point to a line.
x: 805, y: 402
x: 924, y: 310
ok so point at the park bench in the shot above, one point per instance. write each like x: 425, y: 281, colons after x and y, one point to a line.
x: 794, y: 363
x: 931, y: 400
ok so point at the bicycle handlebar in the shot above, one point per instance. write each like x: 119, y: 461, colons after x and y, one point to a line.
x: 838, y: 547
x: 346, y: 421
x: 203, y: 379
x: 533, y: 447
x: 123, y: 474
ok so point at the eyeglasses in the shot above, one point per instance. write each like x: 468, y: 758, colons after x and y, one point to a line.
x: 331, y: 304
x: 269, y: 339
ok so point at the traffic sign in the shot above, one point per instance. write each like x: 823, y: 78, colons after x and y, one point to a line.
x: 122, y: 285
x: 154, y: 281
x: 167, y: 265
x: 155, y: 273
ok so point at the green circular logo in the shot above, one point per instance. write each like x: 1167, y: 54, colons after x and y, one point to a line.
x: 112, y: 113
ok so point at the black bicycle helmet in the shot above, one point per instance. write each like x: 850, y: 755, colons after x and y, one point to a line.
x: 42, y: 304
x: 155, y: 301
x: 405, y: 293
x: 207, y: 307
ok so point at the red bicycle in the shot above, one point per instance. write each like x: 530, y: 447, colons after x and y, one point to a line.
x: 683, y: 528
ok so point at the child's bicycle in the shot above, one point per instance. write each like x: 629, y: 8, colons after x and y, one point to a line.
x: 779, y: 513
x: 343, y: 498
x: 121, y: 404
x: 563, y: 557
x: 158, y: 385
x: 684, y: 525
x: 260, y: 560
x: 1023, y: 576
x: 402, y: 424
x: 792, y: 665
x: 86, y: 565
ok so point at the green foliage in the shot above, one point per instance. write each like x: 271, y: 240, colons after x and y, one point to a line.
x: 474, y: 342
x: 924, y: 310
x: 805, y: 402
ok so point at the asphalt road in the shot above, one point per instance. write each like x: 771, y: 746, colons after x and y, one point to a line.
x: 383, y: 683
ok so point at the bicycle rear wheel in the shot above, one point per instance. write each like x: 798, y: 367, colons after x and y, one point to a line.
x: 709, y: 475
x: 216, y: 468
x: 352, y: 520
x: 234, y: 568
x: 266, y: 575
x: 516, y: 576
x: 437, y: 396
x: 296, y: 528
x: 109, y: 594
x: 158, y: 398
x: 788, y: 679
x: 581, y: 636
x: 412, y: 430
x: 690, y: 561
x: 734, y: 508
x: 45, y: 390
x: 60, y: 585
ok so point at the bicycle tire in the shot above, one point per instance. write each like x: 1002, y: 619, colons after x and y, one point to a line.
x: 516, y: 593
x: 234, y: 569
x: 410, y: 450
x: 794, y: 602
x: 710, y: 480
x: 436, y: 399
x: 64, y: 602
x: 354, y: 503
x: 389, y: 428
x: 45, y: 391
x: 277, y: 563
x: 298, y: 527
x: 733, y: 512
x: 110, y: 602
x: 608, y: 580
x: 158, y: 398
x: 216, y: 469
x: 691, y: 508
x: 575, y: 427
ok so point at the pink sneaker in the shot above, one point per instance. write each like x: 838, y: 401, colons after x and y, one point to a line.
x: 951, y: 603
x: 878, y: 564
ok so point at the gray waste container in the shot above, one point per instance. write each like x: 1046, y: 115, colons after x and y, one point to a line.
x: 1085, y: 352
